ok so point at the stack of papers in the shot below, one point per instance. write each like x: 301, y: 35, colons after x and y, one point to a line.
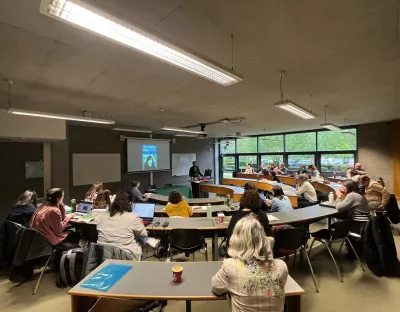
x: 199, y: 207
x: 272, y: 218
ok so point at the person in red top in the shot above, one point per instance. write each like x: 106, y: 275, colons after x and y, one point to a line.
x: 51, y: 220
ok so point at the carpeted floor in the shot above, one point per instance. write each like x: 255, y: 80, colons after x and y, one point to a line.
x: 360, y: 291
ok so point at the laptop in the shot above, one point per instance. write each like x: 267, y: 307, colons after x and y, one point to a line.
x: 84, y: 208
x: 145, y: 211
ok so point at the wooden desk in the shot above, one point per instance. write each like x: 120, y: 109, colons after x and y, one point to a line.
x: 163, y: 199
x: 195, y: 286
x: 234, y: 192
x: 254, y: 176
x: 160, y: 212
x: 337, y: 179
x: 289, y: 191
x: 326, y: 188
x: 286, y: 179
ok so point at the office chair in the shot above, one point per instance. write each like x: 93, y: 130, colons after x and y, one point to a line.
x: 187, y: 241
x: 289, y: 241
x: 338, y: 233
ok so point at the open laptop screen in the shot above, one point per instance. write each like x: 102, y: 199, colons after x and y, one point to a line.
x: 145, y: 211
x: 84, y: 207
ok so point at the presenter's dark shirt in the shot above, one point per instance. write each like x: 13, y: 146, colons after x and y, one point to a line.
x: 194, y: 172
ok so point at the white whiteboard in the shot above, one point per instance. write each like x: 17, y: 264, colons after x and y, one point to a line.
x: 90, y: 168
x: 181, y: 164
x: 34, y: 169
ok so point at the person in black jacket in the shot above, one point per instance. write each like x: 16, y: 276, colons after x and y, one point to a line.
x: 23, y: 209
x: 194, y: 171
x: 251, y: 203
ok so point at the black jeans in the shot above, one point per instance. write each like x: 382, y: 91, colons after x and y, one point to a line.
x: 305, y: 203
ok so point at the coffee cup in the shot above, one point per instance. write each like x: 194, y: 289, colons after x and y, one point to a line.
x: 177, y: 271
x: 221, y: 217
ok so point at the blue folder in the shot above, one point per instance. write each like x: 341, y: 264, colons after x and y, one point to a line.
x: 107, y: 277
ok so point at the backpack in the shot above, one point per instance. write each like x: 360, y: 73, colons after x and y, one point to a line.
x: 71, y: 267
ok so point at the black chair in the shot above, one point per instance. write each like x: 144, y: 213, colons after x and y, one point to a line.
x: 338, y: 233
x: 289, y: 241
x: 208, y: 173
x: 187, y: 241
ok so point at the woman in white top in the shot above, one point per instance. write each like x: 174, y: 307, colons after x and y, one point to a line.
x: 254, y: 280
x: 122, y: 228
x: 314, y: 172
x: 307, y: 192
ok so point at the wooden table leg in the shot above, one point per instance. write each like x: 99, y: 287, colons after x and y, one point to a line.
x: 188, y: 306
x: 215, y: 247
x: 293, y: 304
x: 82, y: 304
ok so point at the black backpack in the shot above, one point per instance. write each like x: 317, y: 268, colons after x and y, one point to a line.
x: 71, y: 267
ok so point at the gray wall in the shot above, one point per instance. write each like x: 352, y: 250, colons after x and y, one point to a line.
x: 100, y: 140
x: 12, y: 167
x: 374, y: 151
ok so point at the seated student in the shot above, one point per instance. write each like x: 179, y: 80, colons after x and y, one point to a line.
x: 358, y: 168
x: 262, y: 169
x: 177, y: 207
x: 51, y: 220
x: 280, y: 202
x: 314, y: 172
x: 282, y: 170
x: 250, y: 186
x: 272, y: 168
x: 302, y: 170
x: 307, y: 192
x: 353, y: 174
x: 254, y: 280
x: 139, y: 197
x: 249, y: 169
x: 350, y: 199
x: 363, y: 184
x: 122, y: 228
x: 376, y: 194
x: 93, y: 191
x: 251, y: 203
x: 103, y: 200
x: 23, y: 209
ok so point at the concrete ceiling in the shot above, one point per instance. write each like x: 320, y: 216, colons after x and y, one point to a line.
x: 345, y: 53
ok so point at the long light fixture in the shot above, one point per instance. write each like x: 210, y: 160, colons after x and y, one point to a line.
x: 295, y: 109
x: 132, y: 130
x: 88, y: 17
x: 182, y: 130
x: 290, y: 106
x: 330, y: 126
x: 58, y: 116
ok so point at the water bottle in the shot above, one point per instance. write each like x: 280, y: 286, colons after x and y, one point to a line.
x: 331, y: 198
x: 229, y: 201
x: 73, y: 205
x: 209, y: 211
x: 334, y: 174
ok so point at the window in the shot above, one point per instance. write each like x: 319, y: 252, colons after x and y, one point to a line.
x: 271, y: 159
x: 227, y: 146
x: 343, y: 140
x: 247, y: 145
x: 270, y: 144
x: 228, y: 163
x: 301, y: 142
x: 336, y: 162
x: 248, y: 159
x: 227, y: 175
x: 294, y: 161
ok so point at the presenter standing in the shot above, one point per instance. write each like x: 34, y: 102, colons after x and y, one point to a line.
x: 194, y: 171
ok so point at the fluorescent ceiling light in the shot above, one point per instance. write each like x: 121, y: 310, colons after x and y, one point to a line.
x: 295, y: 109
x: 132, y: 130
x: 90, y: 18
x: 58, y: 116
x: 182, y: 130
x: 330, y: 126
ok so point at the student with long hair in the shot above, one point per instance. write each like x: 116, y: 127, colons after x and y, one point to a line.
x: 280, y: 202
x: 177, y: 207
x: 93, y: 191
x: 150, y: 163
x: 103, y: 200
x: 122, y: 228
x: 23, y: 209
x: 51, y: 220
x: 254, y: 280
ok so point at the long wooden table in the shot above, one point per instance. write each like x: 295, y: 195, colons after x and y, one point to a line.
x: 163, y: 199
x: 254, y: 176
x: 195, y: 286
x: 233, y: 191
x: 289, y: 191
x: 199, y: 210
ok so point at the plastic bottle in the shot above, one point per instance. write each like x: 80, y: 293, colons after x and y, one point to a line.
x: 73, y: 205
x: 209, y: 211
x: 331, y: 198
x: 334, y: 174
x: 229, y: 201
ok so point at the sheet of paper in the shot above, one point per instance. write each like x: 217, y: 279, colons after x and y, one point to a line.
x: 272, y: 218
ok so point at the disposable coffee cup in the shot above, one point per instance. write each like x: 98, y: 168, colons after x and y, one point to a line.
x: 177, y: 272
x: 221, y: 217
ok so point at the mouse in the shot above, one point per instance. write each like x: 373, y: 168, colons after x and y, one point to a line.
x: 157, y: 224
x: 165, y: 224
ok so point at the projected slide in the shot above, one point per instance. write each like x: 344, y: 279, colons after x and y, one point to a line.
x: 149, y: 156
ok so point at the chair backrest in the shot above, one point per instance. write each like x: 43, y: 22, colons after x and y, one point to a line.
x: 208, y: 172
x: 11, y: 239
x: 186, y: 238
x: 340, y: 229
x: 290, y: 238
